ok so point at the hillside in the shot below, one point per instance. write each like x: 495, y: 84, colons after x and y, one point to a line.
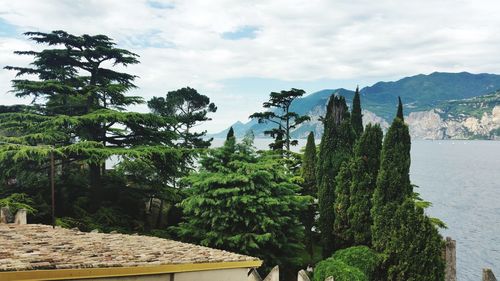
x: 444, y: 95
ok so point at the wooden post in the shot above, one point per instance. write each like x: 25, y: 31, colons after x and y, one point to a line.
x: 488, y: 275
x: 52, y: 176
x: 450, y: 256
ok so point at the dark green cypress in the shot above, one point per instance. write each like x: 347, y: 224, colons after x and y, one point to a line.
x: 308, y: 173
x: 335, y: 148
x: 364, y: 170
x: 356, y: 116
x: 393, y: 181
x: 230, y: 133
x: 400, y: 110
x: 407, y: 238
x: 416, y: 247
x: 355, y: 184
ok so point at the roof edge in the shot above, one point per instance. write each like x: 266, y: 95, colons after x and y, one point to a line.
x: 103, y: 272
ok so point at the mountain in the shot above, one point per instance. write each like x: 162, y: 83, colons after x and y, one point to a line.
x: 439, y: 106
x: 472, y: 118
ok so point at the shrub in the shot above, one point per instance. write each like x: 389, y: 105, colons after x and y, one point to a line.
x: 339, y: 270
x: 360, y: 257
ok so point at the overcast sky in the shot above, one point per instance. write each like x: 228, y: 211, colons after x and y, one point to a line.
x: 237, y: 51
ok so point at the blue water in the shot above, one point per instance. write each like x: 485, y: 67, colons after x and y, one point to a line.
x: 462, y: 180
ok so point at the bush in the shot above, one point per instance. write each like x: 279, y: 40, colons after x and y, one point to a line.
x: 360, y: 257
x: 339, y: 270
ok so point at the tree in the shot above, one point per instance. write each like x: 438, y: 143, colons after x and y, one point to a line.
x: 364, y: 171
x: 281, y: 116
x: 415, y: 251
x: 308, y: 173
x: 393, y: 181
x: 242, y: 202
x: 355, y: 184
x: 230, y: 133
x: 356, y: 116
x: 78, y: 115
x: 408, y: 239
x: 399, y: 114
x: 335, y: 148
x: 188, y: 108
x: 75, y: 82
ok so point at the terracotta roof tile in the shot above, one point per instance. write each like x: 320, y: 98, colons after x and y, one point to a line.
x: 34, y: 246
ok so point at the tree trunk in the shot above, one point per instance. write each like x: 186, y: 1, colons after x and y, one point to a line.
x: 160, y: 214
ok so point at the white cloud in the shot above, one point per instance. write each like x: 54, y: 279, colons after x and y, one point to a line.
x: 294, y: 40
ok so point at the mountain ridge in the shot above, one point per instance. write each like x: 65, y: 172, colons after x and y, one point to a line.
x: 420, y: 93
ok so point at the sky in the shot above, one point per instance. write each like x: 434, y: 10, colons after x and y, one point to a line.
x: 238, y: 51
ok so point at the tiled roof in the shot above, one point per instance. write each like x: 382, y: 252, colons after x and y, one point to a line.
x: 34, y: 246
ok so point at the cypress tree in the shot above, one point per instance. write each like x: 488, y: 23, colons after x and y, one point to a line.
x: 393, y: 181
x: 364, y: 170
x: 335, y: 148
x: 407, y: 238
x: 416, y: 247
x: 309, y: 187
x: 355, y: 184
x: 399, y: 114
x: 356, y: 116
x: 230, y: 133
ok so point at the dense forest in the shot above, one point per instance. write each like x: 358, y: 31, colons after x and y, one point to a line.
x: 345, y: 206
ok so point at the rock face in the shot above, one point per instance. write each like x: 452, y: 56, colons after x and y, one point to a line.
x: 434, y: 125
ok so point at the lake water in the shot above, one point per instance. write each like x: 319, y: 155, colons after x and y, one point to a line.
x: 462, y: 180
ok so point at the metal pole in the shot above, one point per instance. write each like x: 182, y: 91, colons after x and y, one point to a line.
x: 52, y: 175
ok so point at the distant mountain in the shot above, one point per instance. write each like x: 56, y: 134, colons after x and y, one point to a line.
x: 444, y: 94
x: 472, y: 118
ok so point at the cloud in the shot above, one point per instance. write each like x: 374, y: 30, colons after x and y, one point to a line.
x: 185, y: 42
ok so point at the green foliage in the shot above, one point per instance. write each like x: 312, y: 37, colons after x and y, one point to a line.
x: 339, y: 270
x: 335, y: 148
x: 230, y: 133
x: 364, y: 170
x: 414, y: 252
x: 282, y: 117
x: 16, y: 201
x: 399, y: 114
x: 356, y: 116
x: 188, y: 108
x: 308, y: 173
x: 360, y: 257
x: 341, y: 225
x: 393, y: 182
x: 407, y: 238
x: 242, y: 202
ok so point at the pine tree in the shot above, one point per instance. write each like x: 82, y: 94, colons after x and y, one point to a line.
x: 308, y: 172
x: 356, y: 116
x: 78, y: 114
x: 282, y: 117
x: 76, y: 82
x: 188, y: 108
x: 230, y: 133
x: 335, y: 148
x: 243, y: 202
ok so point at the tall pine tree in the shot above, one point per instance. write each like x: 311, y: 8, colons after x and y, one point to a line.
x: 356, y: 116
x: 335, y: 148
x: 308, y: 173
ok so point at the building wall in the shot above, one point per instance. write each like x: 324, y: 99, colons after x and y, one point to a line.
x: 237, y: 274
